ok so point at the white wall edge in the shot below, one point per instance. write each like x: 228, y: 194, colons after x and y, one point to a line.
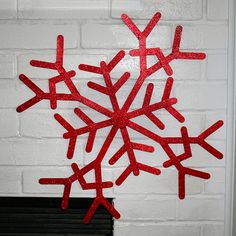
x: 230, y: 228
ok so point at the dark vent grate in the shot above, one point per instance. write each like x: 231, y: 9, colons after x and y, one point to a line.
x: 43, y: 216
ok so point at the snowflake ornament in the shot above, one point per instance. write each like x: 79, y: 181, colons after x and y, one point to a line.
x: 120, y: 118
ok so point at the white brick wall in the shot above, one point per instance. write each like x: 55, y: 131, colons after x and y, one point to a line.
x: 31, y: 144
x: 49, y: 9
x: 23, y: 35
x: 8, y: 9
x: 114, y: 36
x: 152, y: 229
x: 171, y: 10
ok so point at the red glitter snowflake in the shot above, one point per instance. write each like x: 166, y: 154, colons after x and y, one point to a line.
x: 119, y: 118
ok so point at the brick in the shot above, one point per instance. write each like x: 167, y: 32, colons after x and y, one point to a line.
x: 7, y: 66
x: 10, y: 180
x: 132, y: 209
x: 201, y: 209
x: 8, y: 94
x: 165, y: 183
x: 216, y: 184
x: 217, y: 9
x: 31, y: 185
x: 81, y: 9
x: 71, y: 62
x: 202, y: 158
x: 213, y: 230
x: 204, y: 37
x: 145, y: 9
x: 217, y: 66
x: 127, y: 229
x: 119, y: 36
x: 204, y: 96
x: 38, y: 152
x: 8, y: 9
x: 9, y: 123
x: 37, y: 36
x: 183, y: 70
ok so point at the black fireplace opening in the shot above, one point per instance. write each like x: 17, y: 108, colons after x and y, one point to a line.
x: 36, y: 216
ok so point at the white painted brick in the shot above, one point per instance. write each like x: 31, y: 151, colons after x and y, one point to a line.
x: 44, y: 9
x: 171, y: 10
x: 217, y: 66
x: 8, y: 123
x: 151, y: 229
x: 150, y: 208
x: 216, y: 184
x: 39, y: 35
x: 211, y: 118
x: 213, y: 230
x: 8, y: 94
x: 8, y: 9
x: 10, y: 180
x: 38, y: 152
x: 204, y: 37
x: 7, y: 66
x: 31, y: 177
x: 202, y: 158
x: 119, y: 36
x: 183, y: 69
x: 201, y: 209
x: 165, y: 183
x: 71, y: 62
x: 205, y: 96
x: 217, y: 9
x: 38, y: 157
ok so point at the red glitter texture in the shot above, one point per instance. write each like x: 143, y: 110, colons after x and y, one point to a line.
x: 119, y: 118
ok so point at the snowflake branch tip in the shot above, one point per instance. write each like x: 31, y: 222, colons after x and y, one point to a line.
x: 39, y: 94
x: 154, y: 20
x: 206, y: 134
x: 130, y: 169
x: 124, y: 149
x: 107, y: 205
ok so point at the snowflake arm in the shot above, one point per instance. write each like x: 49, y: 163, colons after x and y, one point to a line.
x: 63, y: 76
x: 186, y: 141
x: 143, y: 52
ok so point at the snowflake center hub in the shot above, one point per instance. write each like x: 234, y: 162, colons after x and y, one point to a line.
x: 120, y: 119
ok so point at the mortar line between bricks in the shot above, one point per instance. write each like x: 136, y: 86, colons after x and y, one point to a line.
x: 204, y: 10
x: 112, y: 21
x: 150, y: 221
x: 22, y: 181
x: 17, y: 9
